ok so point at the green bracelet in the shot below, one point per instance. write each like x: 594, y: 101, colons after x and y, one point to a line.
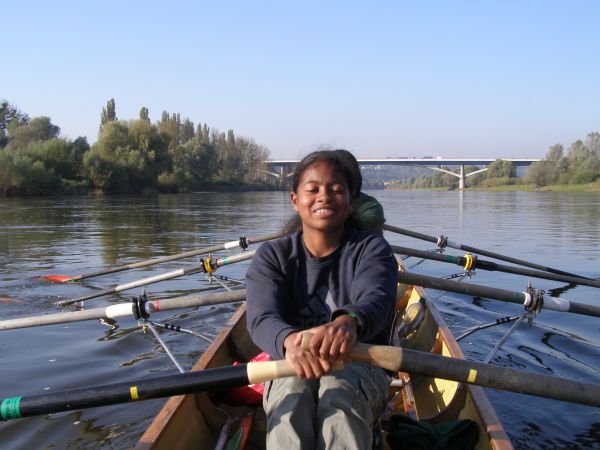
x: 353, y: 315
x: 356, y: 319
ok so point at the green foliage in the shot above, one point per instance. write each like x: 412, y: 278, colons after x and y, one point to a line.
x: 501, y: 169
x: 593, y: 143
x: 550, y: 170
x: 500, y: 181
x: 38, y: 129
x: 109, y: 113
x: 144, y: 114
x: 122, y: 160
x: 187, y: 131
x: 129, y: 156
x: 10, y: 117
x: 584, y: 177
x: 21, y: 175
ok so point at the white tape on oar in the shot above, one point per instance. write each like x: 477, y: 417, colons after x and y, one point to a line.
x: 527, y: 300
x: 232, y: 244
x: 149, y: 280
x: 119, y: 310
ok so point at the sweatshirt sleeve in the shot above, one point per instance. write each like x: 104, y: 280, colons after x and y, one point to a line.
x: 265, y: 299
x: 373, y: 289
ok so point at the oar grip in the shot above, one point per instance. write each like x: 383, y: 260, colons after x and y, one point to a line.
x: 259, y: 372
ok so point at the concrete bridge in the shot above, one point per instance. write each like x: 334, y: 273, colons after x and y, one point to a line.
x: 285, y: 166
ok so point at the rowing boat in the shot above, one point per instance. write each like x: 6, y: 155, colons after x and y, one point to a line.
x: 195, y: 420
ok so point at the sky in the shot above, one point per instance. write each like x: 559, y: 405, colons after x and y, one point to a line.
x: 380, y: 78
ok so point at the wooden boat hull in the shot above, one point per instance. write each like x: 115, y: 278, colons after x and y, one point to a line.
x: 193, y: 421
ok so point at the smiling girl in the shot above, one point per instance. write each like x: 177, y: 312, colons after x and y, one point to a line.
x: 337, y: 281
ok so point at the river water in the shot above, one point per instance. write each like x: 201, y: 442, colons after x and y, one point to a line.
x: 73, y: 235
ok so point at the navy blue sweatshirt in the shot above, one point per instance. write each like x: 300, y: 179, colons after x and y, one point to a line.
x: 288, y: 290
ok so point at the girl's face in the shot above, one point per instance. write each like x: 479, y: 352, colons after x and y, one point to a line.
x: 322, y: 199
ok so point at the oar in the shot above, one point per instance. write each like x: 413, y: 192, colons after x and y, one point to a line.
x: 242, y: 243
x: 443, y: 241
x: 126, y: 309
x: 391, y: 358
x: 205, y: 266
x: 527, y: 299
x: 205, y: 380
x: 469, y: 262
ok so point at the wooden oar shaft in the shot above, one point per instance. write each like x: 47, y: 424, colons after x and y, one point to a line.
x: 158, y: 278
x: 553, y: 303
x: 479, y: 251
x: 133, y: 284
x: 504, y: 378
x: 125, y: 310
x: 200, y: 251
x: 492, y: 266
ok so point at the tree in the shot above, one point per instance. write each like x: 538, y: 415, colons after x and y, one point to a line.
x: 501, y: 169
x: 593, y: 143
x: 10, y: 116
x: 171, y: 127
x: 144, y: 114
x: 187, y: 131
x: 548, y: 170
x: 584, y: 165
x: 109, y: 113
x: 38, y: 129
x: 252, y: 156
x: 117, y: 163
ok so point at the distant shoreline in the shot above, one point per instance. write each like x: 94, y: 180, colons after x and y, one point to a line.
x: 588, y: 187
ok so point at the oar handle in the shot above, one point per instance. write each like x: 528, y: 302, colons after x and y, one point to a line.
x: 412, y: 361
x: 259, y: 372
x: 505, y: 378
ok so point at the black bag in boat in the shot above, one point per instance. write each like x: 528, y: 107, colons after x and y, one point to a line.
x: 406, y: 433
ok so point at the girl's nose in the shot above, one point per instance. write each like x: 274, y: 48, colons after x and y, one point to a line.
x: 323, y: 194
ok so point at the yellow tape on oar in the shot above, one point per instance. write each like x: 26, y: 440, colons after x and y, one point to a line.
x: 208, y: 265
x: 133, y: 392
x: 472, y: 376
x: 469, y: 261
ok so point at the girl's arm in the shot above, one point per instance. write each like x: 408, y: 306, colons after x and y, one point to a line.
x: 265, y: 301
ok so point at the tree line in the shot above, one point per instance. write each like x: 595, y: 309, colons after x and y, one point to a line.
x: 130, y: 156
x: 580, y: 164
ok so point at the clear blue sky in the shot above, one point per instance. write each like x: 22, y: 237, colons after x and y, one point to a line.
x: 447, y: 78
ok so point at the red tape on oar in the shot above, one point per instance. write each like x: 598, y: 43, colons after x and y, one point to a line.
x: 58, y: 278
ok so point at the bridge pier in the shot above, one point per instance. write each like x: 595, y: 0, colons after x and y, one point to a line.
x: 461, y: 178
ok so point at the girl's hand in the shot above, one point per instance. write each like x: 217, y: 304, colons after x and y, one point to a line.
x: 305, y: 364
x: 332, y: 342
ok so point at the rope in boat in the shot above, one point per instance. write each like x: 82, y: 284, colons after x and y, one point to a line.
x: 472, y: 330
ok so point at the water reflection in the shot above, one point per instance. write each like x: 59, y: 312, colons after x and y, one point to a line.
x: 70, y: 235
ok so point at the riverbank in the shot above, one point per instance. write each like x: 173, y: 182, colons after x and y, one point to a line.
x: 587, y: 187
